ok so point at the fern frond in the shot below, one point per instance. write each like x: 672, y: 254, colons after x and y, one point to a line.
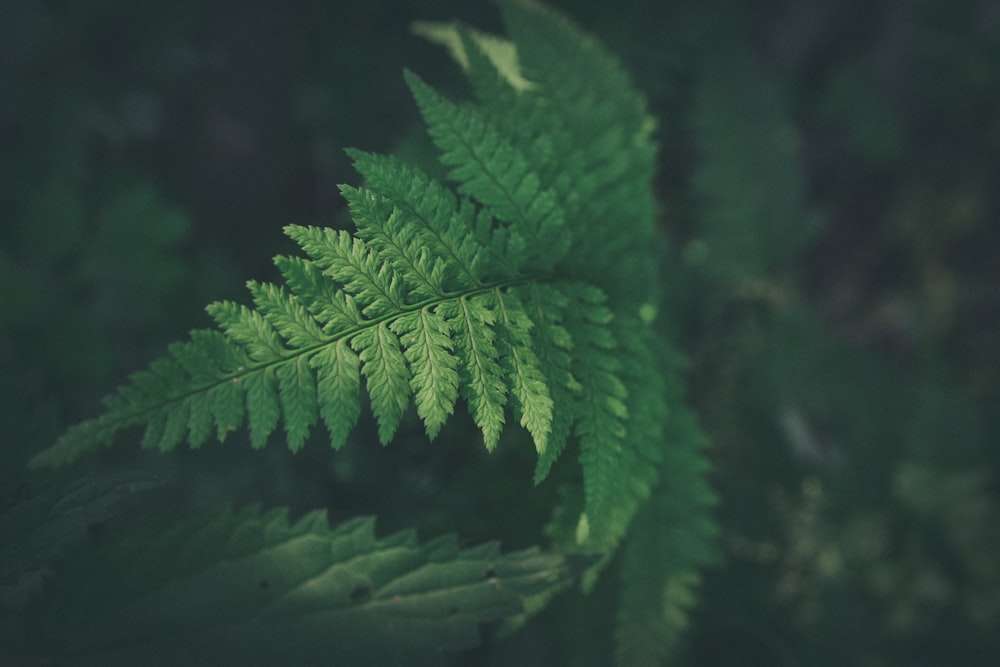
x: 521, y: 291
x: 673, y: 537
x: 623, y: 405
x: 672, y: 540
x: 603, y: 413
x: 529, y: 290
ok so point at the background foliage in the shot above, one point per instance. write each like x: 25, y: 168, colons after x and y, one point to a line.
x: 843, y: 355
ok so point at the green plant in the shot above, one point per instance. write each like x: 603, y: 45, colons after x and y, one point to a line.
x: 531, y: 290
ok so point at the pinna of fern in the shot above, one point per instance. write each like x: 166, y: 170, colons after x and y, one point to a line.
x: 525, y: 291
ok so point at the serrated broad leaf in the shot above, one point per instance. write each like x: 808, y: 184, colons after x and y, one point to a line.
x: 35, y: 530
x: 257, y: 589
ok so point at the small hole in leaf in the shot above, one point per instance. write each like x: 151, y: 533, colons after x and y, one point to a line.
x: 360, y: 593
x: 491, y: 572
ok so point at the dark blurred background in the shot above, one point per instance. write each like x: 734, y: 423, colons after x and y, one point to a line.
x: 150, y: 154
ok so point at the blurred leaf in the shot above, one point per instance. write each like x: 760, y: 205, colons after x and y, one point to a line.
x: 36, y: 531
x: 854, y: 99
x: 255, y: 589
x: 134, y: 248
x: 52, y: 223
x: 749, y: 177
x: 21, y: 296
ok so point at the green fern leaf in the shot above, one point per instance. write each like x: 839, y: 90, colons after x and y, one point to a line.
x: 339, y: 386
x: 546, y: 306
x: 257, y: 589
x: 603, y: 412
x: 435, y: 297
x: 529, y: 290
x: 242, y: 325
x: 384, y: 368
x: 297, y: 391
x: 525, y: 379
x: 227, y: 403
x: 349, y: 261
x: 335, y: 310
x: 499, y: 52
x: 434, y: 377
x: 387, y: 230
x: 175, y: 423
x: 287, y: 314
x: 673, y: 538
x: 433, y: 214
x: 495, y: 173
x: 263, y: 404
x: 581, y: 90
x: 481, y: 378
